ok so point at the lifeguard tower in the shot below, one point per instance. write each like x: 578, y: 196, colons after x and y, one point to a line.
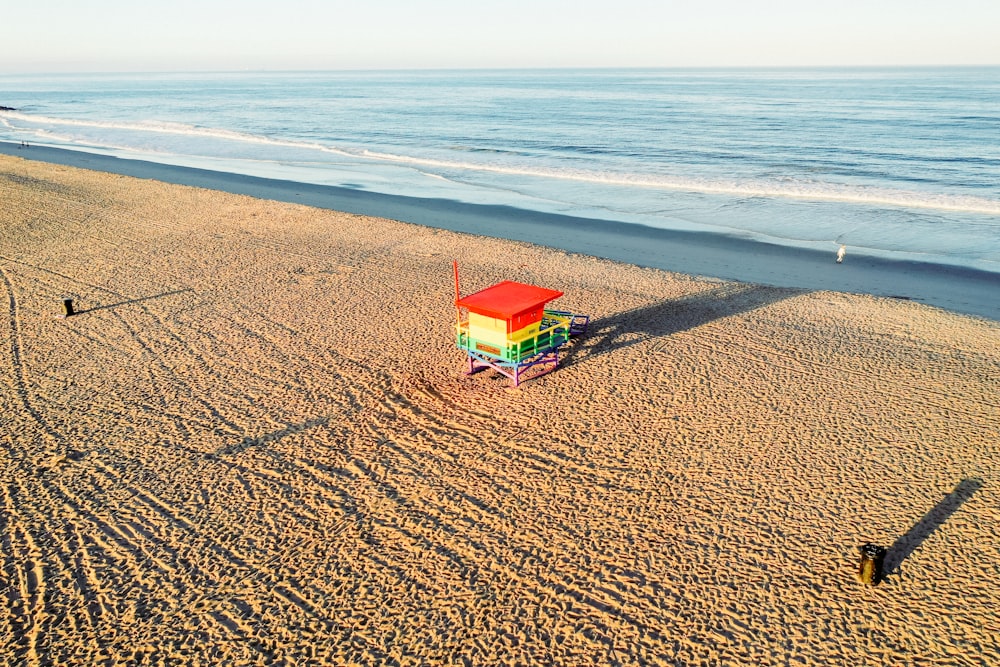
x: 508, y: 329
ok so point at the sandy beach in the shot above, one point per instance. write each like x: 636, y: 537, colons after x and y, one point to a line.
x: 255, y: 444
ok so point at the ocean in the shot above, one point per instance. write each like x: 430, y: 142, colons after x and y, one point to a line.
x: 901, y: 162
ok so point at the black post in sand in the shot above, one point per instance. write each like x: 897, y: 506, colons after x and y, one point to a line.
x: 67, y: 307
x: 872, y: 559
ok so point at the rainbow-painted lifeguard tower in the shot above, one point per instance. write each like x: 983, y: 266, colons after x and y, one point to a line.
x: 508, y: 328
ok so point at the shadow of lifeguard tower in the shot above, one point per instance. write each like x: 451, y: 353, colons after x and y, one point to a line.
x: 662, y: 319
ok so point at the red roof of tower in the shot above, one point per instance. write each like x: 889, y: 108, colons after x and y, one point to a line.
x: 508, y: 299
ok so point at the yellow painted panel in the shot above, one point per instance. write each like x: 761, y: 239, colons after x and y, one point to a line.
x: 491, y: 323
x: 501, y: 337
x: 488, y: 335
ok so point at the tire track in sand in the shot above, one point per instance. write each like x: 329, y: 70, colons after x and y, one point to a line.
x: 16, y: 352
x: 23, y: 582
x: 117, y: 547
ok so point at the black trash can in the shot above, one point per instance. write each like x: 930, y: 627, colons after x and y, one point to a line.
x: 872, y: 560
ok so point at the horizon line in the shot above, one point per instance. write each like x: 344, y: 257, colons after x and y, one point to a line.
x: 530, y: 68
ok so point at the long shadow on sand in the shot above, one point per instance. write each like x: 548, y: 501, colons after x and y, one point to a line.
x: 923, y: 529
x: 270, y: 438
x: 132, y: 301
x: 669, y: 317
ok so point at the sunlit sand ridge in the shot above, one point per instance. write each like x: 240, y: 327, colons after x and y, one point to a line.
x: 254, y: 444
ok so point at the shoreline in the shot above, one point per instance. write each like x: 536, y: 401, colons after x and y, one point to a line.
x: 959, y: 289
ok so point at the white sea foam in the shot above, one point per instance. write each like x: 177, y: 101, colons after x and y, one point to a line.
x: 165, y: 127
x: 749, y: 188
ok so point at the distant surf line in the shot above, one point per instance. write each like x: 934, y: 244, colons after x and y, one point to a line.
x: 830, y: 192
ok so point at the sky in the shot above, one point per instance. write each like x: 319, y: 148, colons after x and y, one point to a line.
x: 213, y: 35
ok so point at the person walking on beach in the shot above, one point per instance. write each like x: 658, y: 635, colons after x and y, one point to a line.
x: 841, y: 253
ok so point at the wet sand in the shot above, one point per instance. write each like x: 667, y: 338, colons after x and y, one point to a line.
x: 255, y: 444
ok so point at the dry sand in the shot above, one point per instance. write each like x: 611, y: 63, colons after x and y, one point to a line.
x: 256, y: 445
